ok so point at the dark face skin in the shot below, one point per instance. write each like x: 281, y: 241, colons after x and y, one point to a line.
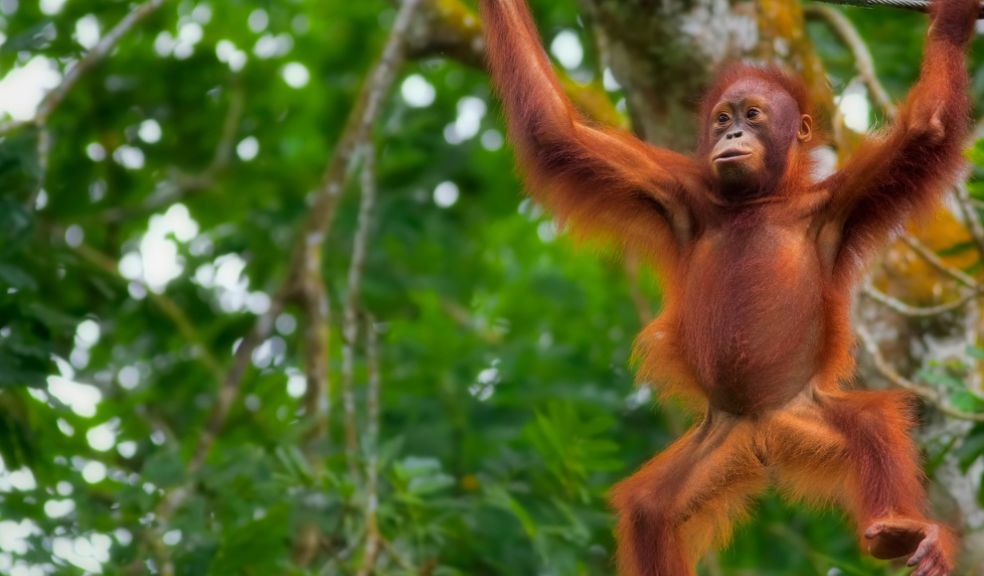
x: 753, y: 129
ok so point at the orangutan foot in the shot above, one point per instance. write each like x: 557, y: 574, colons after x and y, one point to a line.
x: 924, y: 543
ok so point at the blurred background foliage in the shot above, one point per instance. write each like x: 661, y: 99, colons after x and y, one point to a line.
x: 150, y: 219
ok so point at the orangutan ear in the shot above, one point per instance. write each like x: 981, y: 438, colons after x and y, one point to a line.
x: 805, y: 132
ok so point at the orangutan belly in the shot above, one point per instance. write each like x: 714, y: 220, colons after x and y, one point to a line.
x: 752, y: 319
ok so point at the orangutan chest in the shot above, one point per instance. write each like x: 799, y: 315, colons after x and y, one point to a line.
x: 753, y: 301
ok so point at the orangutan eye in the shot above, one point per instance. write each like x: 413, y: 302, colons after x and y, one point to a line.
x: 723, y: 118
x: 753, y: 113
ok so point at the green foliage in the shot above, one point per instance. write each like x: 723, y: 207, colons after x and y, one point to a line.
x: 507, y: 410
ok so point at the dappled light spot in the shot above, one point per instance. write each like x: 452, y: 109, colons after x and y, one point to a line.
x: 51, y: 7
x: 164, y: 44
x: 79, y: 358
x: 14, y: 535
x: 300, y: 24
x: 129, y: 157
x: 128, y: 377
x: 95, y: 152
x: 258, y: 20
x: 159, y: 262
x: 466, y: 125
x: 530, y: 209
x: 286, y: 324
x: 251, y: 402
x: 87, y: 333
x: 59, y: 508
x: 25, y: 85
x: 263, y: 354
x: 417, y: 92
x: 64, y: 427
x: 136, y: 290
x: 94, y: 472
x: 130, y: 266
x: 258, y: 302
x: 97, y: 190
x: 87, y: 553
x: 102, y: 438
x: 492, y: 140
x: 87, y: 32
x: 205, y: 275
x: 296, y: 75
x: 232, y: 56
x: 201, y: 245
x: 179, y: 221
x: 21, y: 479
x: 296, y: 383
x: 127, y: 449
x: 485, y: 383
x: 172, y: 537
x: 446, y: 194
x: 190, y: 34
x: 123, y: 536
x: 641, y: 396
x: 202, y: 13
x: 74, y: 236
x: 42, y: 200
x: 270, y: 46
x: 80, y: 398
x: 566, y: 48
x: 547, y: 230
x: 855, y: 107
x: 248, y: 148
x: 150, y: 131
x: 609, y: 81
x: 225, y: 276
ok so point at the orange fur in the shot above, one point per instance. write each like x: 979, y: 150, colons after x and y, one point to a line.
x: 755, y: 330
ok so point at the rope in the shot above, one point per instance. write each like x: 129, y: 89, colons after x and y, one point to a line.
x: 915, y: 5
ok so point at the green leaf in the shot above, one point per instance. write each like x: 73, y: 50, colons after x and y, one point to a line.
x: 256, y: 547
x: 971, y: 448
x: 13, y: 277
x: 165, y: 468
x: 498, y: 497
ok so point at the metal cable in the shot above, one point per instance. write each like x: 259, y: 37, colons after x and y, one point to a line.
x: 915, y: 5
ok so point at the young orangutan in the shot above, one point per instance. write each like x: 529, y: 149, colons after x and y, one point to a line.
x: 759, y: 263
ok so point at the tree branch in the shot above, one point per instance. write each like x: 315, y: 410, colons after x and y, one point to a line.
x: 170, y: 309
x: 180, y: 183
x: 372, y: 459
x: 319, y: 220
x: 904, y: 309
x: 863, y: 61
x: 350, y: 317
x: 885, y: 369
x: 317, y: 336
x: 912, y: 5
x: 307, y: 253
x: 970, y: 216
x: 91, y: 59
x: 936, y: 262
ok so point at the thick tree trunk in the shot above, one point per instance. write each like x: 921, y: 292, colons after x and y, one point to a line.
x: 664, y: 52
